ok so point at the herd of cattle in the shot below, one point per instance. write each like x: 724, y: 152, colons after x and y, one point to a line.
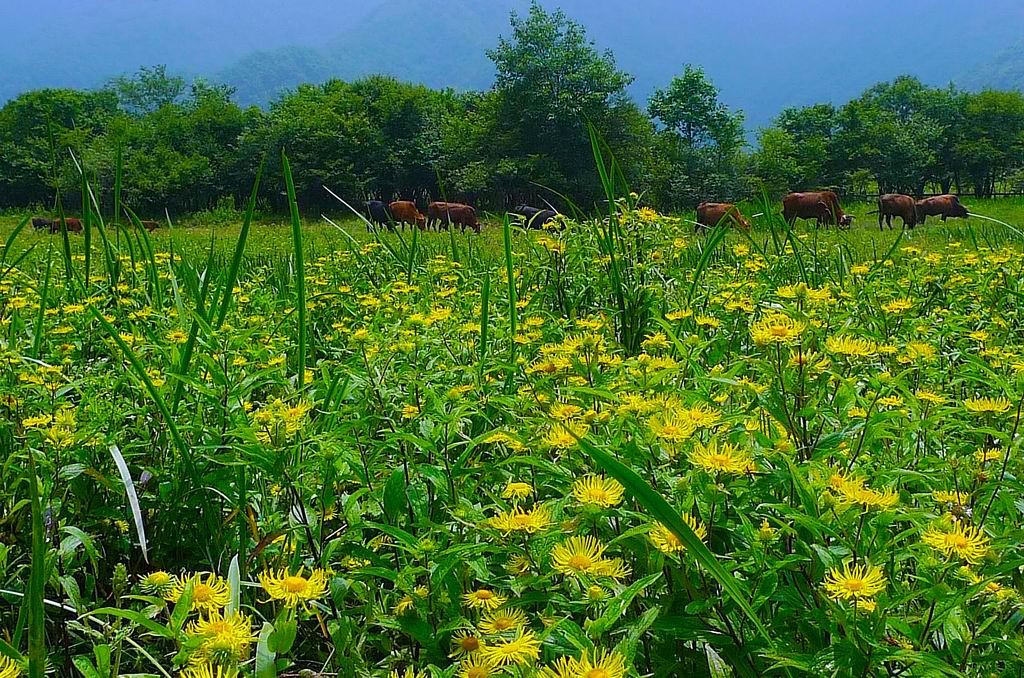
x: 74, y: 225
x: 444, y: 215
x: 821, y: 206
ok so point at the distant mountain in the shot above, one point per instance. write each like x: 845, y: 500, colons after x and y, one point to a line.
x: 764, y: 56
x: 1005, y: 71
x: 263, y: 76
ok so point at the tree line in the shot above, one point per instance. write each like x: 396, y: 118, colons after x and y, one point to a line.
x: 188, y: 146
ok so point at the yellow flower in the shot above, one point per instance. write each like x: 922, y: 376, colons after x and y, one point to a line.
x: 209, y: 671
x: 777, y: 328
x: 499, y: 621
x: 484, y: 599
x: 667, y: 542
x: 294, y: 588
x: 208, y: 595
x: 598, y: 491
x: 898, y: 306
x: 851, y: 346
x: 514, y: 490
x: 601, y: 664
x: 157, y: 583
x: 465, y: 643
x: 583, y: 556
x: 959, y: 498
x: 409, y: 673
x: 766, y: 532
x: 522, y: 649
x: 9, y: 668
x: 987, y: 405
x: 519, y: 520
x: 860, y: 581
x: 226, y: 639
x: 930, y: 396
x: 725, y: 458
x: 476, y: 667
x: 957, y: 540
x: 669, y: 426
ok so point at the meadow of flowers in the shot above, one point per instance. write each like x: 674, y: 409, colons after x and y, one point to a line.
x: 611, y: 449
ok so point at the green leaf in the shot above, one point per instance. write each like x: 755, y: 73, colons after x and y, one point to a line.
x: 618, y: 605
x: 265, y: 657
x: 661, y: 511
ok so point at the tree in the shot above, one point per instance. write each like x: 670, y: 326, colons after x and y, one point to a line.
x: 551, y: 82
x: 701, y: 140
x: 689, y: 107
x: 992, y: 144
x: 147, y: 90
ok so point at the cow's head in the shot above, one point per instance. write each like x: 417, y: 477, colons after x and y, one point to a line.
x: 846, y: 220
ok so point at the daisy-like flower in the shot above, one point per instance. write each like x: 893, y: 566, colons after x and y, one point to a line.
x: 515, y: 490
x: 671, y: 427
x: 724, y: 458
x: 9, y: 668
x: 294, y: 589
x: 209, y: 671
x: 598, y: 491
x: 520, y: 520
x: 957, y: 540
x: 226, y: 639
x: 854, y: 583
x: 522, y: 649
x: 505, y: 619
x: 208, y: 594
x: 477, y: 667
x: 667, y: 542
x: 484, y: 599
x: 584, y: 556
x: 157, y: 583
x: 410, y: 672
x: 854, y: 347
x: 987, y: 405
x: 944, y: 497
x: 601, y: 664
x: 466, y: 642
x: 777, y: 328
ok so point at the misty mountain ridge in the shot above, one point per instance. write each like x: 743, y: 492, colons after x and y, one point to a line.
x: 763, y: 58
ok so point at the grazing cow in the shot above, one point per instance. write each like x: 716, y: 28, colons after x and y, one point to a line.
x: 40, y: 223
x: 896, y: 205
x: 945, y: 206
x: 444, y: 213
x: 822, y: 206
x: 378, y: 213
x: 710, y: 214
x: 150, y: 225
x: 405, y: 212
x: 534, y: 216
x: 73, y: 225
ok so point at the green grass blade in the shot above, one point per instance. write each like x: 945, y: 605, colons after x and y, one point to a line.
x: 661, y: 511
x: 300, y: 274
x: 44, y: 295
x: 506, y: 235
x: 37, y: 580
x: 133, y: 498
x: 236, y: 260
x: 485, y: 304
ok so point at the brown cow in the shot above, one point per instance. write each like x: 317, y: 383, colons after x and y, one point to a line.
x: 150, y: 225
x: 405, y: 212
x: 896, y: 205
x: 822, y: 206
x: 710, y: 214
x: 945, y: 206
x: 73, y: 225
x: 444, y: 213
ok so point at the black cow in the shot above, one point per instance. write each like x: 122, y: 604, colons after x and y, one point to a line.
x: 39, y: 223
x: 378, y: 213
x: 535, y: 217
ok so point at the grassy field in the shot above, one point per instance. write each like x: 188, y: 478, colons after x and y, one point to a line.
x: 615, y: 449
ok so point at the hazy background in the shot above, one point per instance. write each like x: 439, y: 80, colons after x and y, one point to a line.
x: 764, y: 56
